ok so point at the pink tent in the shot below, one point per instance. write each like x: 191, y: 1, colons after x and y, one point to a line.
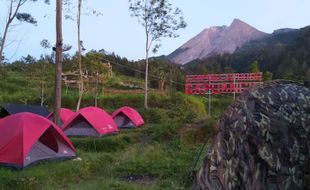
x: 127, y: 117
x: 90, y: 121
x: 65, y: 115
x: 26, y: 138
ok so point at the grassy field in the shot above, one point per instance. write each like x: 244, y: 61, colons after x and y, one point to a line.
x: 159, y: 155
x: 125, y: 161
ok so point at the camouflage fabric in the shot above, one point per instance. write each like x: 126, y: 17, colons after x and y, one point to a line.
x: 262, y: 142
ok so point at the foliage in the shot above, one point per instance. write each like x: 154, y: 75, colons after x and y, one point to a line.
x: 267, y: 76
x: 14, y: 13
x: 158, y: 18
x: 254, y: 67
x: 26, y: 17
x: 156, y: 156
x: 285, y: 55
x: 288, y: 74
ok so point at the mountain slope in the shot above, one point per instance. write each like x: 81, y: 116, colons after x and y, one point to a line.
x: 284, y: 54
x: 216, y: 40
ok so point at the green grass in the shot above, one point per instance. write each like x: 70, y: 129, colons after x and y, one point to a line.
x: 128, y: 161
x: 159, y: 155
x: 156, y: 156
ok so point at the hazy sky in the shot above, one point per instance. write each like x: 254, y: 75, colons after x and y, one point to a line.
x: 115, y: 31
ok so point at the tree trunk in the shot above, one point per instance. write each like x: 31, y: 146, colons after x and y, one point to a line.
x: 162, y: 85
x: 146, y: 68
x: 42, y: 93
x: 58, y: 66
x: 11, y: 17
x: 96, y: 89
x: 81, y: 84
x: 146, y: 80
x: 3, y: 41
x: 43, y: 78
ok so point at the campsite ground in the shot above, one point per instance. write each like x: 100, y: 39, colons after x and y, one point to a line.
x: 159, y: 155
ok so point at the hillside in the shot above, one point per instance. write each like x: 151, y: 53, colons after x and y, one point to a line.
x: 284, y: 36
x: 144, y: 158
x: 216, y: 40
x: 284, y: 54
x: 36, y: 77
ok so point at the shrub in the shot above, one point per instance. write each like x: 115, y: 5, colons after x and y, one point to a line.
x: 153, y: 115
x: 101, y: 144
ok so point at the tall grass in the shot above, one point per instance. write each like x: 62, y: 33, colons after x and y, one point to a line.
x: 158, y: 155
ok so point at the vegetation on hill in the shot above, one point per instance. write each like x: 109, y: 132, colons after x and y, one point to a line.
x: 285, y: 55
x: 159, y: 155
x: 31, y: 80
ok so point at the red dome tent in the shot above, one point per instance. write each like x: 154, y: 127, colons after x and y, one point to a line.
x: 26, y: 138
x: 90, y: 121
x: 65, y: 115
x: 127, y: 117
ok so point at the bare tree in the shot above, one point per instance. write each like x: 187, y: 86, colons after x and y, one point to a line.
x: 81, y: 82
x: 159, y: 20
x: 46, y: 45
x: 68, y: 15
x: 58, y: 64
x: 14, y: 14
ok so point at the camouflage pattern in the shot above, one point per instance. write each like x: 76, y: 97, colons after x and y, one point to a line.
x: 262, y: 142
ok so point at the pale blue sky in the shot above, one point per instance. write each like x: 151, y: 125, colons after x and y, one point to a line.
x: 115, y: 31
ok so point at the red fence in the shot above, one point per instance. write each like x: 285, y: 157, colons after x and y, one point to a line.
x: 221, y: 83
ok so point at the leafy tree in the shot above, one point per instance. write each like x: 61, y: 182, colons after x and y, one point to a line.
x: 68, y: 15
x: 97, y: 71
x: 28, y: 59
x: 159, y: 20
x: 267, y: 75
x: 14, y: 13
x: 254, y: 67
x: 288, y: 74
x: 94, y: 64
x: 228, y: 69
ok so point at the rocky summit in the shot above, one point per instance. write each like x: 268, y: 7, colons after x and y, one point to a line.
x: 216, y: 40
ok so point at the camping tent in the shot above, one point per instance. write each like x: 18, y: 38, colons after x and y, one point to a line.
x: 9, y: 109
x: 65, y: 115
x: 26, y: 138
x: 90, y: 121
x: 127, y: 117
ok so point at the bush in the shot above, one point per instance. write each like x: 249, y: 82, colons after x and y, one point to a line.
x: 186, y: 108
x: 165, y: 131
x: 101, y: 144
x: 153, y: 115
